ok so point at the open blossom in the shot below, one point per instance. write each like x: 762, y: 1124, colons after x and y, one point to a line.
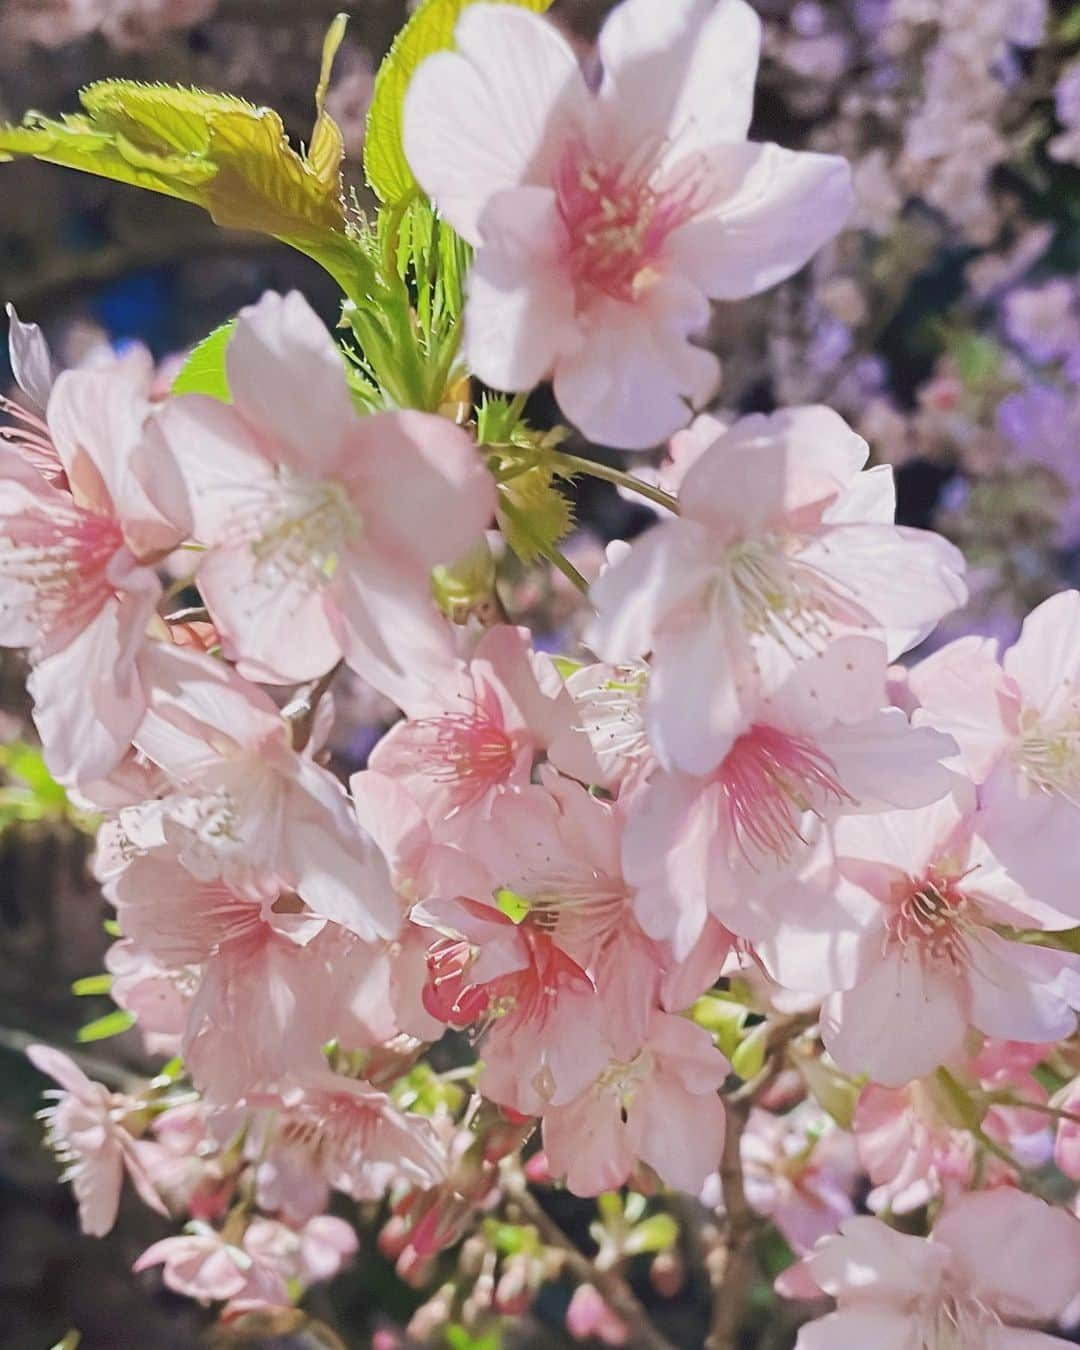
x: 995, y: 1258
x: 249, y: 809
x: 89, y: 505
x: 1018, y: 728
x: 203, y: 1265
x: 782, y: 546
x: 547, y: 1037
x: 605, y: 221
x: 353, y: 1136
x: 799, y: 1171
x: 85, y: 1126
x: 322, y: 526
x: 728, y: 842
x: 930, y: 963
x: 660, y: 1107
x: 912, y: 1147
x: 476, y: 734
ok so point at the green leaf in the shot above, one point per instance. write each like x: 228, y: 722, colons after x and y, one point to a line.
x: 112, y: 1024
x: 539, y: 515
x: 213, y: 150
x: 1068, y: 29
x: 204, y: 370
x: 749, y: 1059
x: 1064, y: 940
x: 654, y: 1234
x: 430, y: 30
x: 92, y: 984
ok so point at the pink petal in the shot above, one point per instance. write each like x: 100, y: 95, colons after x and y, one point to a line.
x: 685, y: 69
x: 493, y: 115
x: 521, y: 313
x: 636, y: 377
x: 787, y: 204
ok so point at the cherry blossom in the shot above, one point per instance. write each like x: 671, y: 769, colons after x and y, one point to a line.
x: 322, y: 526
x: 89, y: 504
x: 931, y: 962
x: 782, y: 546
x: 248, y: 808
x: 995, y: 1258
x: 606, y: 221
x: 660, y: 1107
x: 1018, y: 728
x: 725, y: 842
x: 85, y: 1126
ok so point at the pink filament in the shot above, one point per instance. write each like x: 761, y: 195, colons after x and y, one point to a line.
x: 464, y: 751
x: 618, y: 218
x: 768, y: 780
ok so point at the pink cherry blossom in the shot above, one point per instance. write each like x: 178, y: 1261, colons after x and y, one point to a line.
x: 724, y: 842
x: 782, y: 546
x: 931, y: 963
x: 1018, y: 728
x: 249, y: 809
x: 799, y: 1171
x: 203, y: 1265
x: 81, y: 531
x: 995, y: 1258
x: 477, y: 734
x: 661, y: 1107
x: 354, y: 1136
x: 322, y: 526
x: 610, y: 711
x: 547, y: 1036
x: 85, y: 1126
x: 606, y: 221
x: 32, y: 366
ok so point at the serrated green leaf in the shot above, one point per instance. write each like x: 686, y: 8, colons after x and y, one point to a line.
x: 112, y: 1024
x: 430, y: 30
x: 204, y: 370
x: 213, y: 150
x: 92, y: 984
x: 539, y: 516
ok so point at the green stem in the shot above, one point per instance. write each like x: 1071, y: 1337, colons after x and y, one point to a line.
x: 575, y: 464
x: 1041, y: 1107
x: 548, y: 551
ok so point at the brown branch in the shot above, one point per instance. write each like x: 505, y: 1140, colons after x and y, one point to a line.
x: 609, y: 1283
x: 731, y: 1264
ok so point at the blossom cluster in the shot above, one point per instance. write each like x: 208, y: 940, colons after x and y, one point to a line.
x: 746, y: 846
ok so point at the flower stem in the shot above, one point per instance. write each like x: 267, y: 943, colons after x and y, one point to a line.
x: 576, y: 464
x: 609, y: 1283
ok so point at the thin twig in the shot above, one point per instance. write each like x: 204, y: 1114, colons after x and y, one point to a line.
x: 608, y: 1283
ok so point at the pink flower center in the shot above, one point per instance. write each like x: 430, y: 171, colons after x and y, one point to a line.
x: 769, y: 780
x: 466, y: 752
x: 63, y: 558
x: 931, y: 917
x: 618, y: 218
